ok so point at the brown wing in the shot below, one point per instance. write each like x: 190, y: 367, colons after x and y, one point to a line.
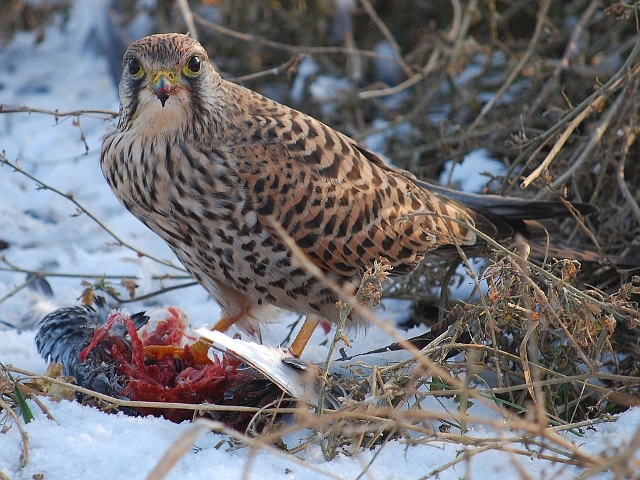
x: 340, y: 203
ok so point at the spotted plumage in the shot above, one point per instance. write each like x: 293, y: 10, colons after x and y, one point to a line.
x: 211, y: 167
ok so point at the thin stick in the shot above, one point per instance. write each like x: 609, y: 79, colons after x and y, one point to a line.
x: 24, y: 458
x: 187, y: 16
x: 200, y: 426
x: 387, y: 34
x: 542, y: 14
x: 47, y: 273
x: 559, y: 143
x: 594, y: 139
x: 4, y: 160
x: 56, y: 113
x: 622, y: 184
x: 283, y: 46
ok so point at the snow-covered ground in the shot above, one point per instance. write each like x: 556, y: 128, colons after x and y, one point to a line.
x: 45, y: 232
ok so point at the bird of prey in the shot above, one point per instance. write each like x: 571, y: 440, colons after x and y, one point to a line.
x: 221, y: 173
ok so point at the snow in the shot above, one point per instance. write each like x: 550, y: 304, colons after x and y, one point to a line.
x: 473, y: 173
x: 67, y: 72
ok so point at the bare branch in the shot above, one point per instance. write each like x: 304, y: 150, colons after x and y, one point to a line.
x: 4, y: 160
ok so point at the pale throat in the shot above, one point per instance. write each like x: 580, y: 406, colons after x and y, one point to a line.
x: 155, y: 121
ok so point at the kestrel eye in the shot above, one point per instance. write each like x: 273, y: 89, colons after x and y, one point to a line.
x: 194, y: 64
x: 134, y: 66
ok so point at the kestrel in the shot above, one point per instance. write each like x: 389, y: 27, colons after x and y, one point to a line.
x: 213, y: 167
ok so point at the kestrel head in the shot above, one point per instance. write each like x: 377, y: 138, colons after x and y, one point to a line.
x: 165, y: 75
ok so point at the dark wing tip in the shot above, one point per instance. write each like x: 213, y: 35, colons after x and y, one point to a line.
x: 512, y: 208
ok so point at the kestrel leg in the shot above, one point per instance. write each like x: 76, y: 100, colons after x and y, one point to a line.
x: 199, y: 349
x: 301, y: 340
x: 226, y: 322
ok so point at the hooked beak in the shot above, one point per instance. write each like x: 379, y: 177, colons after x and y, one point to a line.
x: 162, y: 84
